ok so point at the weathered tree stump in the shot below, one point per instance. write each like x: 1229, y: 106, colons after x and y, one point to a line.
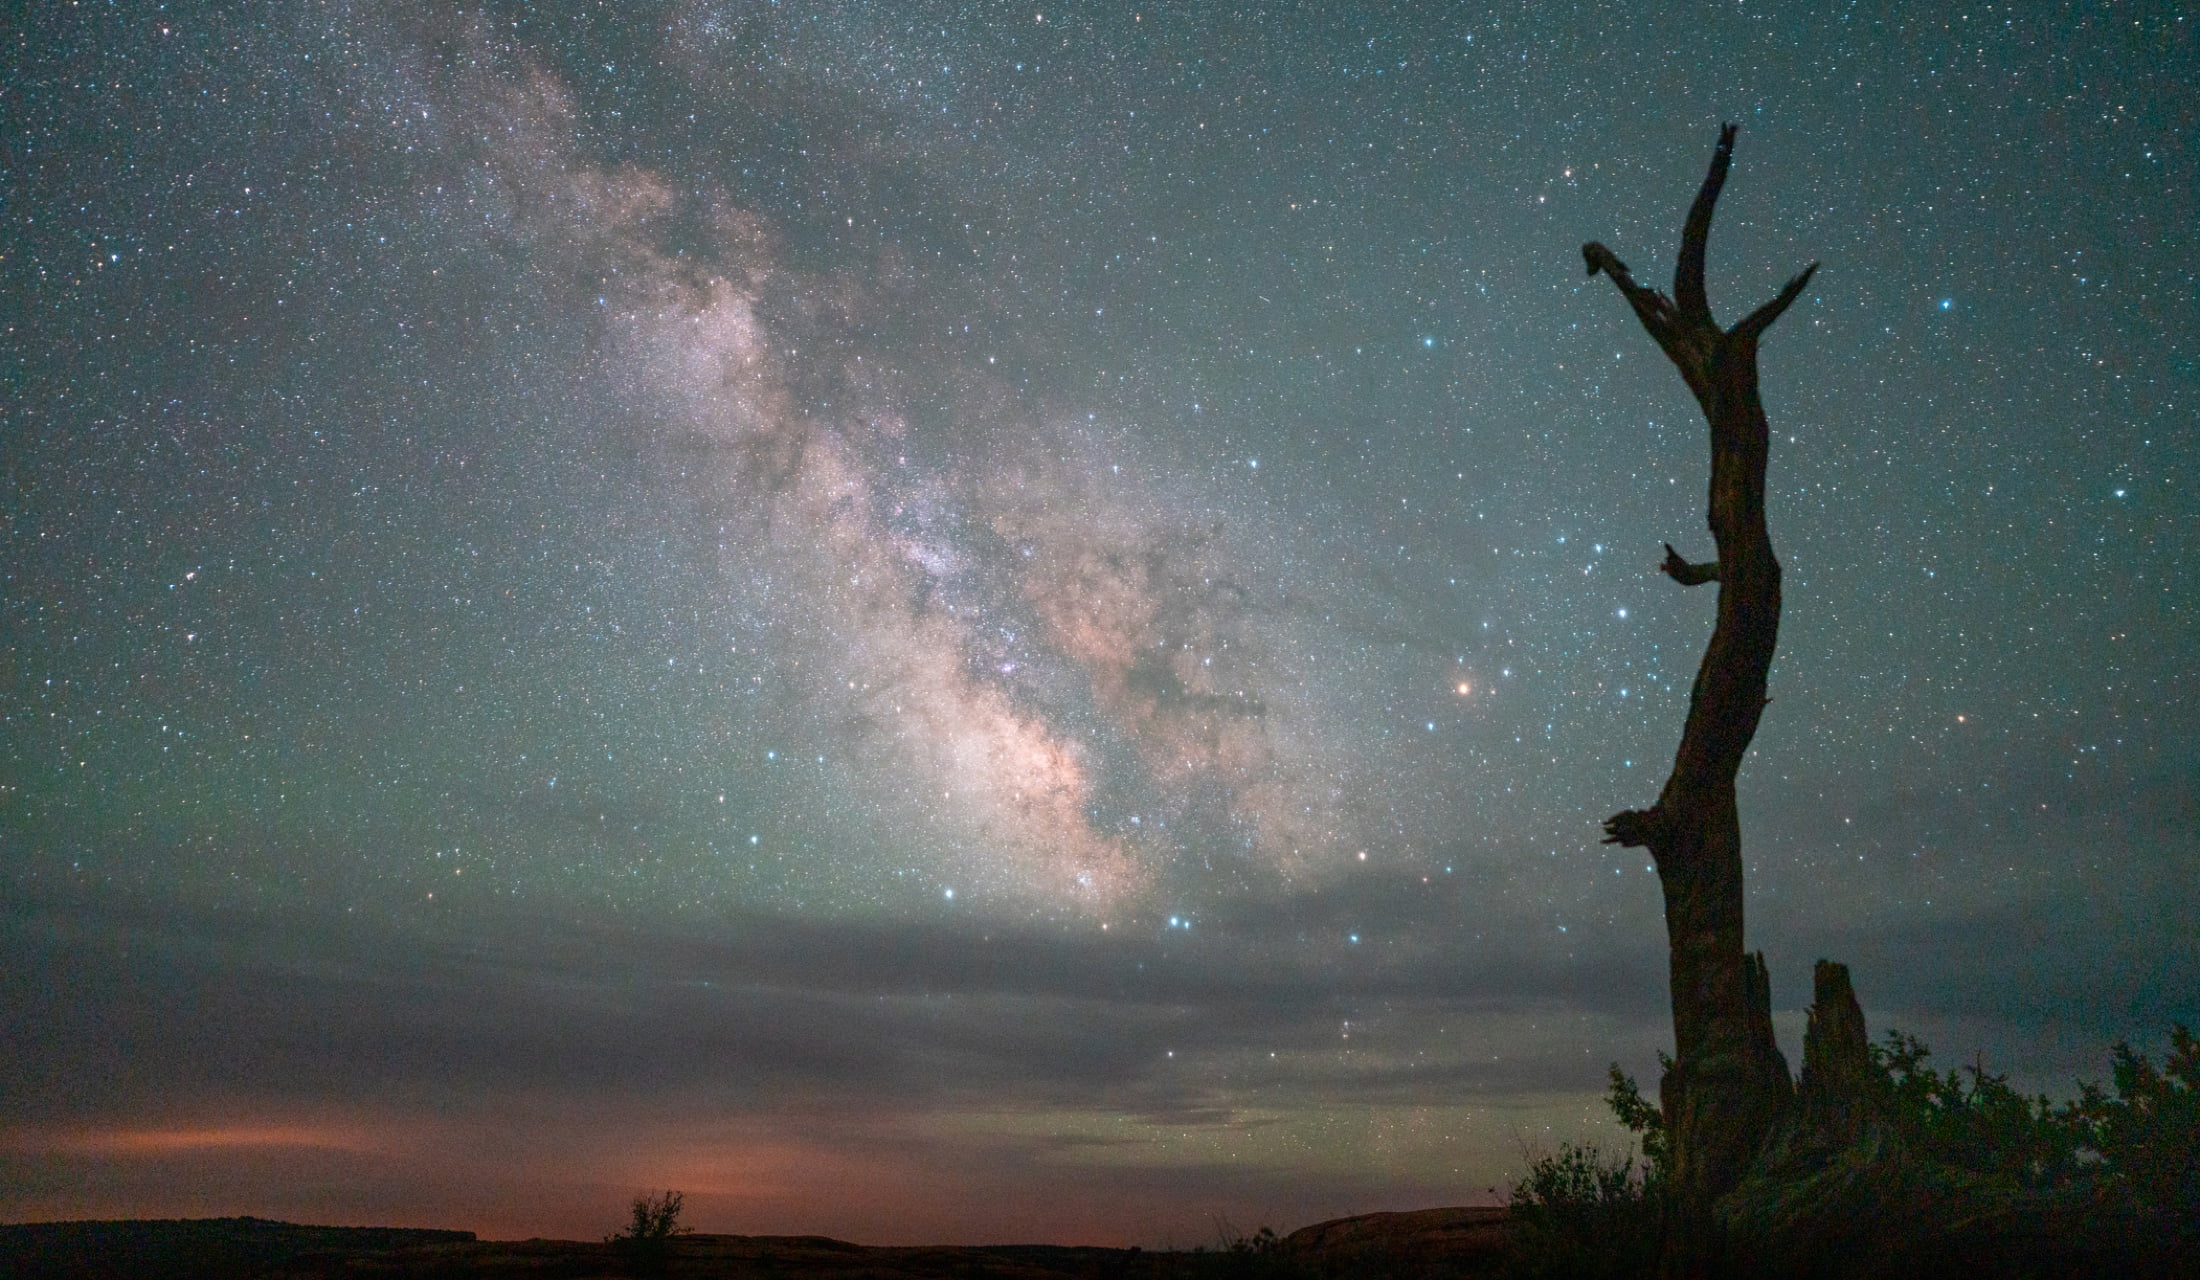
x: 1835, y: 1095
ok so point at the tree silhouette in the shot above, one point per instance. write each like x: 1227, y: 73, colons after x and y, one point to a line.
x: 1727, y: 1084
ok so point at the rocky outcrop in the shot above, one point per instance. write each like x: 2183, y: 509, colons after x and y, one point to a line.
x: 1450, y: 1242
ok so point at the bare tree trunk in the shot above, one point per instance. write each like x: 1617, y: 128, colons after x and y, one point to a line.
x: 1728, y: 1084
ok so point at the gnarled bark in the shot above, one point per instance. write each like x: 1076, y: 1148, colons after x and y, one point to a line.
x: 1728, y: 1084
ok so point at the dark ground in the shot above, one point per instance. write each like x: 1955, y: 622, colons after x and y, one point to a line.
x: 1455, y: 1242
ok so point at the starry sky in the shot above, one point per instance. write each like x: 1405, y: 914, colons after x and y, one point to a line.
x: 962, y: 621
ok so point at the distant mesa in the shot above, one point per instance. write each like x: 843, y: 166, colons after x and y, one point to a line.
x: 192, y: 1248
x: 1461, y: 1242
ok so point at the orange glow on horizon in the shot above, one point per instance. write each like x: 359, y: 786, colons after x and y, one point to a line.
x: 157, y: 1142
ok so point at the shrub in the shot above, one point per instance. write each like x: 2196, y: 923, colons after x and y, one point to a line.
x: 646, y: 1243
x: 2147, y: 1137
x: 1956, y: 1173
x: 1581, y: 1213
x: 2137, y: 1150
x: 1959, y: 1172
x: 1986, y: 1129
x: 1641, y: 1116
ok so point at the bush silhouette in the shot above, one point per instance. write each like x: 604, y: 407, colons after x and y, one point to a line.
x: 2147, y: 1139
x: 1955, y: 1171
x: 1584, y: 1214
x: 646, y: 1243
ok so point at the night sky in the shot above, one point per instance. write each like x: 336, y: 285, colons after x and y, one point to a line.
x: 950, y: 621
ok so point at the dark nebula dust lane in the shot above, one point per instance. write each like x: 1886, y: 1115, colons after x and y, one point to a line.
x: 963, y: 621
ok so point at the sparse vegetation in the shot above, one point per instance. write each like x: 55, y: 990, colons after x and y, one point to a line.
x: 1260, y: 1254
x: 646, y: 1243
x: 1985, y: 1128
x: 1955, y: 1173
x: 1583, y: 1213
x: 2147, y: 1137
x: 1641, y: 1117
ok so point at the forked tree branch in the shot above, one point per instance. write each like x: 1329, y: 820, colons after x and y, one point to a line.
x: 1688, y: 290
x: 1654, y: 308
x: 1720, y: 367
x: 1687, y: 346
x: 1756, y: 322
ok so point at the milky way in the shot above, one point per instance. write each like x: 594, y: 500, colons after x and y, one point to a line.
x: 1021, y: 658
x: 947, y: 620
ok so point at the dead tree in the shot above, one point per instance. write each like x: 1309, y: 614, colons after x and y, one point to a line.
x: 1728, y: 1084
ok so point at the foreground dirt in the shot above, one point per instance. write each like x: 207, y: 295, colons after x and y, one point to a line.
x: 1425, y: 1243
